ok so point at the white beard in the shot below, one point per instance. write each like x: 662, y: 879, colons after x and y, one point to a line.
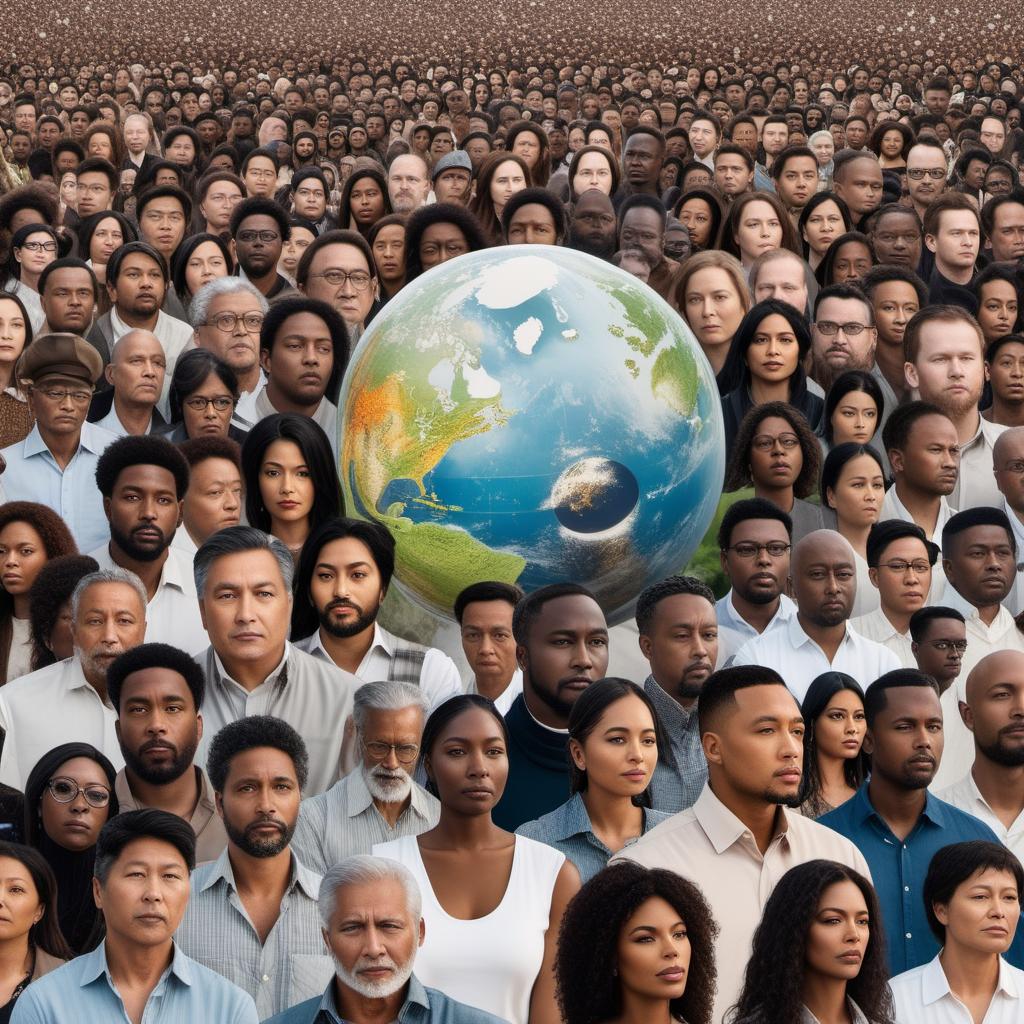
x: 387, y: 792
x: 375, y: 989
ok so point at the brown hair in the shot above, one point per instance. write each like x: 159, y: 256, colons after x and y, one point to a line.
x: 935, y: 314
x: 727, y: 233
x: 481, y: 205
x: 703, y: 261
x: 947, y: 201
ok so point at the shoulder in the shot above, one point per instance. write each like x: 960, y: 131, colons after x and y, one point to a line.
x: 402, y: 849
x: 679, y: 832
x: 444, y: 1008
x: 301, y: 1013
x: 215, y: 991
x: 965, y: 822
x: 539, y: 854
x: 906, y: 985
x: 549, y: 827
x: 28, y: 686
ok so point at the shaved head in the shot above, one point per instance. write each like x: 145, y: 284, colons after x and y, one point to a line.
x: 994, y: 710
x: 821, y: 544
x: 1009, y: 445
x: 995, y: 667
x: 824, y: 574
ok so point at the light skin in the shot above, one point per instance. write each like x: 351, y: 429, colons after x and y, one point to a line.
x: 395, y: 729
x: 13, y: 331
x: 352, y: 303
x: 855, y: 418
x: 903, y: 577
x: 213, y: 500
x: 997, y: 309
x: 731, y: 174
x: 838, y: 737
x: 772, y: 359
x: 489, y: 645
x: 831, y: 354
x: 859, y: 183
x: 759, y: 230
x: 857, y: 499
x: 111, y: 620
x: 136, y: 373
x: 955, y: 243
x: 823, y: 226
x: 949, y: 372
x: 239, y: 347
x: 713, y: 308
x: 20, y: 910
x: 286, y: 490
x: 784, y: 279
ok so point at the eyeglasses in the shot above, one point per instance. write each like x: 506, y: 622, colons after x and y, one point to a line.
x: 267, y: 236
x: 765, y: 442
x: 65, y: 790
x: 948, y: 645
x: 221, y: 403
x: 900, y: 565
x: 59, y: 394
x: 935, y: 173
x: 336, y: 278
x: 39, y: 246
x: 830, y: 327
x: 405, y: 752
x: 748, y: 549
x: 227, y: 322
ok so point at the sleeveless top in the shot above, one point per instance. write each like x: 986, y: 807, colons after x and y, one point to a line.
x: 490, y: 962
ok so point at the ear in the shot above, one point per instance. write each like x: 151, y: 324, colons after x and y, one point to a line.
x: 873, y: 576
x: 265, y: 360
x: 646, y: 647
x: 181, y: 514
x: 97, y: 892
x: 988, y: 371
x: 576, y: 753
x: 106, y: 507
x: 941, y: 912
x: 117, y: 728
x: 199, y: 726
x: 522, y: 657
x: 868, y: 746
x: 910, y: 375
x: 202, y: 614
x: 108, y: 374
x: 896, y: 460
x: 218, y: 802
x: 711, y: 743
x: 930, y: 241
x: 966, y: 714
x: 829, y: 497
x: 423, y: 931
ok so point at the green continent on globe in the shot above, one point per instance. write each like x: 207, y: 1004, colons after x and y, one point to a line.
x: 675, y: 380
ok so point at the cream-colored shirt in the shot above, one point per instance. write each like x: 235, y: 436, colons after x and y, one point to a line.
x: 976, y: 483
x: 923, y: 996
x: 711, y: 847
x: 966, y: 796
x: 875, y: 626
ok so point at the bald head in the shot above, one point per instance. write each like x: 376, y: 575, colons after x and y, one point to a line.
x: 1008, y: 463
x: 137, y: 340
x: 1009, y: 445
x: 824, y: 574
x: 137, y: 369
x: 994, y: 709
x: 993, y: 668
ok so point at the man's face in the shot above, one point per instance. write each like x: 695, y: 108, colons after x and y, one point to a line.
x: 937, y: 653
x: 239, y: 347
x: 703, y: 137
x: 930, y: 463
x: 682, y: 644
x: 258, y: 244
x: 162, y: 224
x: 137, y: 370
x: 532, y: 224
x: 894, y: 303
x: 310, y: 199
x: 408, y: 184
x: 246, y: 607
x: 937, y: 101
x: 641, y: 160
x: 48, y: 134
x: 745, y: 135
x: 905, y: 740
x: 346, y: 587
x: 566, y: 651
x: 956, y: 242
x: 68, y: 300
x: 948, y: 371
x: 487, y: 640
x: 593, y: 224
x: 111, y: 620
x: 1007, y: 236
x: 797, y: 182
x: 452, y: 186
x: 903, y: 576
x: 25, y: 117
x: 136, y: 134
x: 158, y: 725
x: 856, y: 134
x: 21, y: 146
x: 981, y: 563
x: 993, y: 135
x: 214, y: 498
x: 757, y: 573
x: 783, y: 279
x: 896, y: 238
x: 260, y: 801
x: 144, y: 511
x: 998, y: 182
x: 302, y: 358
x: 60, y: 405
x: 140, y: 287
x: 860, y: 185
x: 774, y: 138
x: 926, y: 174
x: 994, y: 711
x: 845, y: 348
x: 643, y: 229
x: 351, y: 302
x: 825, y: 581
x: 731, y: 174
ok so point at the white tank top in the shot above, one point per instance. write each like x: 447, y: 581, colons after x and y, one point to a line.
x: 491, y: 962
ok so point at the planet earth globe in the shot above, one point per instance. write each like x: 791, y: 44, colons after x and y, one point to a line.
x: 533, y: 415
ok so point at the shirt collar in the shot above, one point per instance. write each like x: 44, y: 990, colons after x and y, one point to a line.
x: 416, y: 995
x: 721, y: 826
x: 360, y: 799
x: 798, y: 638
x: 94, y: 965
x: 860, y: 804
x: 571, y: 819
x: 279, y: 673
x: 297, y: 875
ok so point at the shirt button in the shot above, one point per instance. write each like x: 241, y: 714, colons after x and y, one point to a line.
x: 266, y: 977
x: 909, y: 936
x: 906, y: 888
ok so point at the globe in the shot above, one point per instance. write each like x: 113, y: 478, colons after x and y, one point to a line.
x: 531, y: 414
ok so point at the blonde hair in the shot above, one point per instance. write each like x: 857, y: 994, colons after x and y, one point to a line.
x: 703, y: 261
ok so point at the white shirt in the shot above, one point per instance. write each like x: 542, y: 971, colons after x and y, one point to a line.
x: 49, y: 707
x: 893, y: 508
x: 172, y: 617
x: 734, y: 630
x: 1015, y: 599
x: 508, y: 695
x: 966, y: 796
x: 245, y: 414
x: 866, y: 599
x: 174, y: 336
x: 922, y: 996
x: 875, y: 626
x: 326, y: 415
x: 439, y: 678
x: 30, y: 300
x: 799, y: 659
x: 976, y: 483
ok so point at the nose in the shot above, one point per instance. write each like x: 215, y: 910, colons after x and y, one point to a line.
x: 582, y: 657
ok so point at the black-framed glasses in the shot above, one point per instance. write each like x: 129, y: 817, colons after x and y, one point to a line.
x: 406, y: 753
x: 249, y: 236
x: 830, y: 327
x: 748, y: 549
x: 227, y: 322
x: 901, y: 565
x: 199, y: 404
x: 65, y: 790
x: 336, y: 278
x: 947, y: 645
x: 935, y: 173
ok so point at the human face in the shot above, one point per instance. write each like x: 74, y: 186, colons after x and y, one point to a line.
x: 797, y: 182
x: 860, y: 186
x: 903, y: 576
x: 389, y: 253
x: 468, y: 763
x: 621, y: 752
x: 452, y: 186
x: 713, y: 307
x: 774, y: 138
x: 527, y: 146
x: 20, y: 906
x: 956, y: 242
x: 260, y: 801
x: 731, y: 174
x: 387, y: 771
x: 75, y: 826
x: 653, y: 952
x: 592, y: 171
x: 214, y: 498
x: 897, y: 239
x: 843, y: 350
x: 839, y: 729
x: 32, y: 255
x: 487, y: 641
x: 107, y: 237
x: 346, y: 587
x: 593, y: 227
x: 855, y: 418
x: 239, y: 348
x: 22, y: 555
x: 246, y: 608
x: 641, y: 160
x: 136, y: 134
x: 256, y: 256
x: 892, y: 144
x: 286, y: 487
x: 408, y: 183
x: 825, y: 577
x: 292, y: 250
x: 508, y: 179
x: 696, y: 216
x: 823, y: 227
x: 906, y: 739
x: 1007, y: 236
x: 757, y: 578
x: 998, y: 182
x: 852, y: 262
x: 994, y: 710
x: 824, y: 149
x: 144, y: 511
x: 983, y: 913
x: 441, y: 242
x: 93, y: 193
x: 221, y: 199
x: 566, y: 651
x: 838, y: 936
x: 140, y: 286
x: 931, y: 461
x: 981, y: 564
x: 366, y: 201
x: 13, y: 331
x: 643, y: 229
x: 162, y: 224
x: 997, y: 311
x: 930, y: 164
x: 783, y: 279
x: 993, y: 135
x: 260, y: 177
x: 351, y: 302
x: 948, y: 370
x: 532, y: 224
x: 703, y: 138
x: 682, y: 644
x: 774, y: 352
x: 206, y: 263
x: 137, y: 370
x: 759, y: 230
x: 778, y: 466
x: 894, y: 303
x: 62, y: 416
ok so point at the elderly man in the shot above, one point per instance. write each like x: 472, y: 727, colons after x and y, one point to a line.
x: 379, y: 800
x: 68, y: 701
x: 819, y: 637
x: 370, y: 909
x: 136, y: 373
x: 408, y: 183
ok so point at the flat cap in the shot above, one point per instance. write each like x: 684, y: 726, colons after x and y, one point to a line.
x: 457, y: 159
x: 60, y: 355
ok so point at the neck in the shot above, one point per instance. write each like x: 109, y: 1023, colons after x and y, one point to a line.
x: 715, y: 355
x: 954, y: 274
x: 769, y: 391
x: 826, y: 998
x: 6, y: 375
x: 1002, y: 786
x: 541, y: 711
x: 967, y: 424
x: 467, y: 832
x: 756, y: 615
x: 919, y: 209
x: 391, y: 812
x: 283, y: 404
x: 828, y: 638
x: 135, y: 966
x: 148, y: 572
x: 970, y: 973
x: 755, y: 812
x: 146, y: 323
x: 900, y: 620
x: 832, y: 772
x: 62, y: 446
x: 783, y: 497
x: 29, y: 279
x: 643, y: 1009
x: 1007, y: 414
x: 251, y: 674
x: 924, y: 507
x: 265, y: 281
x: 899, y: 807
x: 260, y: 876
x: 611, y: 814
x: 135, y: 418
x: 15, y: 957
x: 671, y: 687
x: 248, y: 380
x: 491, y: 687
x: 347, y: 652
x: 359, y: 1009
x: 180, y: 796
x: 890, y: 361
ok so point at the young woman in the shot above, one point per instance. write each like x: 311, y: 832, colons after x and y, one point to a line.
x: 891, y: 142
x: 834, y: 727
x: 69, y: 796
x: 757, y: 223
x: 711, y: 294
x: 492, y: 901
x: 15, y: 336
x: 528, y: 140
x: 202, y: 398
x: 33, y: 248
x: 777, y: 454
x: 847, y: 260
x: 637, y: 945
x: 593, y: 167
x: 818, y: 953
x: 302, y: 237
x: 1004, y: 362
x: 49, y: 603
x: 999, y: 292
x: 499, y: 178
x: 853, y: 487
x: 291, y: 479
x: 98, y: 238
x: 614, y: 739
x: 30, y: 536
x: 765, y: 364
x: 822, y: 221
x: 364, y: 200
x: 700, y: 212
x: 387, y: 241
x: 199, y: 259
x: 853, y: 410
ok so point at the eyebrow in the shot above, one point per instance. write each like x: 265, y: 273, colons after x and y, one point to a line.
x: 463, y: 739
x: 795, y: 720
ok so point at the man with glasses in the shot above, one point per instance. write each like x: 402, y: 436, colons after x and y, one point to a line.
x: 379, y: 800
x: 219, y: 193
x: 56, y: 464
x: 939, y: 642
x: 97, y: 183
x: 259, y: 229
x: 927, y: 173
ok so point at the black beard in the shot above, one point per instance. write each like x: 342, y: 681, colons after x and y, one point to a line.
x: 604, y: 251
x: 345, y: 630
x: 133, y: 551
x: 161, y: 775
x: 261, y: 849
x: 1008, y: 757
x: 760, y: 597
x: 552, y: 700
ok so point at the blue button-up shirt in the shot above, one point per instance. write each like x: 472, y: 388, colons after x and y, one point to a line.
x: 567, y: 828
x: 898, y: 867
x: 83, y: 990
x: 422, y: 1006
x: 682, y: 770
x: 32, y: 474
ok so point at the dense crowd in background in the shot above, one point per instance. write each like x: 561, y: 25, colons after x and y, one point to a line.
x: 790, y: 792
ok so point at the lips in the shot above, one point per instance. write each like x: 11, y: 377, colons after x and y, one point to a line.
x: 671, y: 974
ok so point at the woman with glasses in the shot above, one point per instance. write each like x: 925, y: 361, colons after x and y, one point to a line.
x: 202, y: 398
x: 33, y: 248
x: 69, y: 797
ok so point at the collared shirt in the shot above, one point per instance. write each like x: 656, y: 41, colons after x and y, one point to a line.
x: 507, y: 696
x: 211, y: 839
x: 174, y: 336
x: 290, y: 965
x: 326, y: 415
x: 1015, y: 599
x: 83, y: 990
x: 172, y: 616
x: 439, y: 678
x: 680, y: 775
x: 856, y: 1014
x: 875, y: 626
x: 112, y: 422
x: 245, y: 416
x: 893, y: 508
x: 709, y: 845
x: 345, y: 821
x: 966, y: 796
x: 734, y: 630
x: 314, y: 697
x: 898, y: 867
x: 976, y: 483
x: 799, y: 659
x: 568, y: 829
x: 422, y: 1006
x: 923, y: 996
x: 44, y: 709
x: 32, y: 474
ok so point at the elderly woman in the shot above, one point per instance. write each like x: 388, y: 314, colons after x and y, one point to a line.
x: 824, y: 147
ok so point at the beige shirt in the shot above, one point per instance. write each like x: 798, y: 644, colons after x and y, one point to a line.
x: 967, y: 797
x: 875, y: 626
x: 711, y: 847
x: 976, y: 484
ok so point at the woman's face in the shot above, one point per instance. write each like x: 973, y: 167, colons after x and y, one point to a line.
x: 107, y: 237
x: 205, y: 263
x: 621, y: 752
x: 855, y: 418
x: 852, y: 262
x: 759, y: 230
x: 774, y: 351
x: 441, y: 144
x: 286, y: 484
x: 592, y: 171
x: 824, y: 149
x: 983, y: 912
x: 508, y: 179
x: 1006, y: 372
x: 653, y: 952
x: 527, y: 146
x: 20, y: 900
x: 712, y: 306
x: 389, y: 252
x: 599, y: 137
x: 858, y: 493
x: 997, y: 312
x: 13, y: 331
x: 441, y: 242
x: 668, y: 175
x: 206, y: 420
x: 36, y: 253
x: 576, y: 139
x: 776, y: 459
x: 838, y: 936
x: 696, y: 216
x: 100, y: 145
x: 69, y: 189
x: 823, y: 227
x: 892, y: 144
x: 366, y: 201
x: 22, y: 555
x: 292, y: 250
x: 839, y: 729
x: 181, y: 151
x: 468, y: 763
x: 305, y: 148
x: 75, y: 826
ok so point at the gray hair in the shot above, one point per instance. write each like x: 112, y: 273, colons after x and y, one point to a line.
x: 115, y: 575
x: 363, y: 869
x: 772, y: 256
x: 386, y: 696
x: 200, y: 306
x: 234, y: 540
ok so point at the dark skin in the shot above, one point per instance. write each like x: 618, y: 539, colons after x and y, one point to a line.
x: 681, y: 644
x: 258, y: 258
x: 943, y: 666
x: 981, y: 565
x: 824, y: 585
x: 642, y: 162
x: 758, y: 582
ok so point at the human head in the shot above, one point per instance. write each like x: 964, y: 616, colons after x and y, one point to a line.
x: 780, y: 274
x: 756, y: 459
x: 896, y: 236
x: 437, y: 233
x: 533, y: 216
x: 108, y: 617
x: 857, y: 180
x: 213, y: 500
x: 408, y: 182
x: 484, y: 614
x: 843, y: 336
x: 338, y: 268
x: 979, y: 555
x: 227, y: 314
x: 769, y: 346
x: 900, y: 559
x: 939, y: 639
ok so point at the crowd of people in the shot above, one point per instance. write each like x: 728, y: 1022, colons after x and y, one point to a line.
x: 228, y: 793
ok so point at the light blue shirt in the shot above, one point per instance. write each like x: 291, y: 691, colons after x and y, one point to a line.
x: 33, y: 475
x: 83, y: 990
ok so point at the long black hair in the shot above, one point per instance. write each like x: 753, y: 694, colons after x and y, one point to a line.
x: 735, y: 372
x: 846, y: 383
x: 442, y: 715
x: 45, y: 934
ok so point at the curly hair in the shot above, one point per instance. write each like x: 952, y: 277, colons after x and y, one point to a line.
x: 737, y: 473
x: 587, y: 985
x: 249, y: 733
x: 773, y: 981
x: 50, y: 592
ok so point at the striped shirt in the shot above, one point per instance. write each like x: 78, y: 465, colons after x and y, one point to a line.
x: 291, y: 966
